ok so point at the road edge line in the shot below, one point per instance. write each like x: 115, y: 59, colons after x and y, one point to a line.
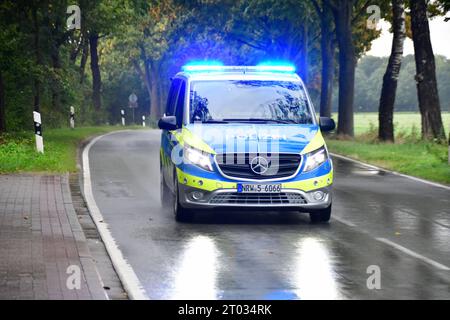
x: 435, y: 184
x: 130, y: 281
x: 416, y: 255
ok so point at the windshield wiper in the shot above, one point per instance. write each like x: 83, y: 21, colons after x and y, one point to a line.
x: 262, y: 120
x: 213, y: 121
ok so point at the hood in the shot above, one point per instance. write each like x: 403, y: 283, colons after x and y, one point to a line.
x: 238, y: 137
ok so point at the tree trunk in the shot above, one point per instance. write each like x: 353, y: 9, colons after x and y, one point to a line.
x: 327, y: 51
x: 2, y: 105
x: 55, y: 88
x: 304, y: 55
x: 162, y: 98
x: 347, y: 64
x: 37, y: 50
x: 96, y: 77
x: 84, y: 56
x: 154, y: 94
x: 145, y: 79
x: 388, y: 91
x: 426, y: 73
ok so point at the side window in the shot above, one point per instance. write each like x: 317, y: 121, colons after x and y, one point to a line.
x: 172, y: 98
x: 180, y: 104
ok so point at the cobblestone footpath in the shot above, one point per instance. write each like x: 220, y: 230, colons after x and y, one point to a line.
x: 40, y: 238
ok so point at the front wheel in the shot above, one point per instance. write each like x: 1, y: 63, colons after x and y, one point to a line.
x: 321, y: 216
x: 164, y: 192
x: 181, y: 214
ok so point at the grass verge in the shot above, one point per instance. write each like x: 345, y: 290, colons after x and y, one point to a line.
x: 420, y: 159
x: 17, y: 151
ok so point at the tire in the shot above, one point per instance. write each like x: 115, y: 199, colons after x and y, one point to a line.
x: 181, y: 214
x: 164, y: 192
x: 321, y: 216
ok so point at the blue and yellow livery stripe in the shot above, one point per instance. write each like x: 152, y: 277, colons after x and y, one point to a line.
x: 185, y: 136
x: 315, y: 143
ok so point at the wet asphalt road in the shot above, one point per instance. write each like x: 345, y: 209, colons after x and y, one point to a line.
x: 400, y: 225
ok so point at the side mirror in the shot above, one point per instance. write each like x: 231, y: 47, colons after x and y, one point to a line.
x: 168, y: 123
x: 326, y: 124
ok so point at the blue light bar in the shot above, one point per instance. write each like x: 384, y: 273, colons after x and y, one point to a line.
x: 277, y: 66
x: 217, y: 67
x: 192, y: 68
x: 289, y: 69
x: 203, y: 66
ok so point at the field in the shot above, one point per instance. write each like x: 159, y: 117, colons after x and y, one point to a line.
x: 403, y: 121
x: 408, y: 155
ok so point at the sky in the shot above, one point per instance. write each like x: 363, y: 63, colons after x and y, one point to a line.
x: 440, y: 39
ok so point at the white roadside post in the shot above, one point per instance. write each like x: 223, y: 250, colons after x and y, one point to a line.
x: 143, y: 121
x: 72, y: 117
x: 122, y: 112
x: 38, y: 132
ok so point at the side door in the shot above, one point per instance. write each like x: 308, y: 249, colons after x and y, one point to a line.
x: 178, y: 112
x: 166, y: 136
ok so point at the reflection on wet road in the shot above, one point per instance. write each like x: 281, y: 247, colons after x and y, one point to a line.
x: 400, y: 225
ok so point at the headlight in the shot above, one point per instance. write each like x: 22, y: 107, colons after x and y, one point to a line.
x: 315, y: 159
x: 198, y: 158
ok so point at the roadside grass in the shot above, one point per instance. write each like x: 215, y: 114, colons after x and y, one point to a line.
x: 403, y: 121
x: 17, y: 150
x: 409, y: 154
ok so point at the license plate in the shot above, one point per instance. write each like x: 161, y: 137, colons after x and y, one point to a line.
x: 258, y: 188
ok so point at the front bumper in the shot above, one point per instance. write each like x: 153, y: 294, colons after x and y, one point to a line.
x: 288, y: 199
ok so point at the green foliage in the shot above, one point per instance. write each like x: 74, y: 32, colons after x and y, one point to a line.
x: 369, y: 79
x: 429, y: 160
x: 17, y: 152
x: 409, y: 155
x: 405, y: 124
x: 158, y: 37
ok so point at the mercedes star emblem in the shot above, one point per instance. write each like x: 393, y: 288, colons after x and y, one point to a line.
x: 259, y: 165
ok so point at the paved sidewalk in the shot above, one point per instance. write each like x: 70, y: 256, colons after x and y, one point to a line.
x: 40, y: 237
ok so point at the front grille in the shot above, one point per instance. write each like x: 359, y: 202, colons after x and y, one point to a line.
x: 281, y: 165
x: 257, y: 199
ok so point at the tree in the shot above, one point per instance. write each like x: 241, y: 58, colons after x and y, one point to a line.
x: 327, y: 48
x: 390, y: 79
x: 95, y: 69
x: 353, y: 38
x: 347, y: 63
x: 427, y: 91
x: 276, y: 30
x: 147, y: 38
x: 101, y: 18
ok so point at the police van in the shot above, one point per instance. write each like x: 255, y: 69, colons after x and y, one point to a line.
x: 240, y: 137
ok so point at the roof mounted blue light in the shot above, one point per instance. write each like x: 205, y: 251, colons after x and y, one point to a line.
x: 276, y: 66
x: 203, y: 66
x: 214, y: 66
x: 289, y: 69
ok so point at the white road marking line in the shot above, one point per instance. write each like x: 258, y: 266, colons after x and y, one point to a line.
x: 435, y: 184
x: 414, y: 254
x: 126, y: 273
x: 344, y: 221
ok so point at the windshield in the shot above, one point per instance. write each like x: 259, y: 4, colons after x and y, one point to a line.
x: 249, y: 100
